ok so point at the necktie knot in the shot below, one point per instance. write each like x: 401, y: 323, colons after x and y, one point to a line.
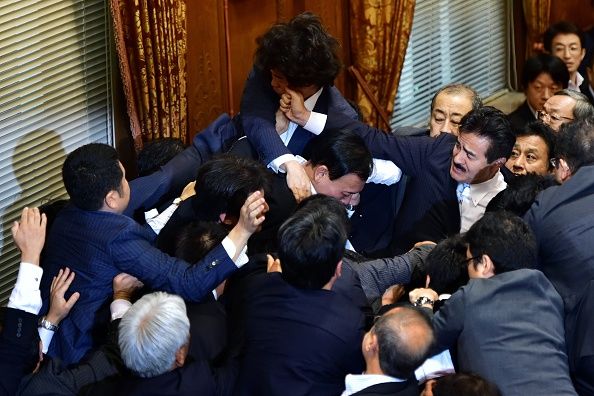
x: 462, y: 191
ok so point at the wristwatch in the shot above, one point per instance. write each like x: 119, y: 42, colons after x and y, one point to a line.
x: 423, y: 300
x: 43, y: 322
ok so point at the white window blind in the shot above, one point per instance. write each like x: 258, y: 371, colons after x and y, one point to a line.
x: 452, y: 41
x: 54, y: 97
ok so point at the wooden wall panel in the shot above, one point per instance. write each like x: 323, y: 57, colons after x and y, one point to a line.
x: 580, y: 12
x: 207, y: 82
x: 212, y: 88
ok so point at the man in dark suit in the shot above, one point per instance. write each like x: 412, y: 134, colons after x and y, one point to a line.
x: 301, y: 336
x: 562, y: 219
x: 543, y: 75
x: 98, y: 242
x: 395, y: 346
x: 452, y: 179
x: 588, y: 87
x: 508, y: 321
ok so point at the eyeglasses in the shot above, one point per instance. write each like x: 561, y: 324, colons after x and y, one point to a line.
x: 544, y: 116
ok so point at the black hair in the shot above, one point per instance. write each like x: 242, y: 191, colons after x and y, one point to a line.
x: 545, y: 63
x: 464, y: 384
x: 542, y: 130
x: 520, y: 193
x: 404, y: 336
x: 157, y: 153
x: 90, y: 172
x: 224, y: 183
x: 197, y: 238
x: 446, y: 265
x: 505, y: 238
x: 460, y: 89
x: 342, y: 152
x: 302, y: 50
x: 312, y: 241
x: 575, y: 143
x: 562, y: 27
x: 494, y: 125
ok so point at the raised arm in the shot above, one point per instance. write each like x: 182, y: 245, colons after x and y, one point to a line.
x: 136, y: 256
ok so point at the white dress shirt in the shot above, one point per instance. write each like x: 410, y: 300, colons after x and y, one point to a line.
x: 27, y: 297
x: 579, y: 80
x: 475, y: 200
x: 354, y: 383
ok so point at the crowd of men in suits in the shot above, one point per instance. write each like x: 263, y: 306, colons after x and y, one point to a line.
x: 294, y: 250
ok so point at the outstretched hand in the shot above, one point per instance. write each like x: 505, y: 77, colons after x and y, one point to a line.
x: 59, y: 306
x: 29, y: 234
x: 292, y: 104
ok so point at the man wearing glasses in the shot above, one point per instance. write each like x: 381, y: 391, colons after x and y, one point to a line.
x: 565, y: 106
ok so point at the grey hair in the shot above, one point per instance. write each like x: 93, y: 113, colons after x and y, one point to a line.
x: 457, y: 89
x: 151, y: 332
x: 583, y: 109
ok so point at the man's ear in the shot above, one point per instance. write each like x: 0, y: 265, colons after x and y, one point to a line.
x: 428, y: 281
x: 320, y: 172
x: 500, y: 162
x: 486, y: 266
x: 111, y: 199
x: 227, y: 219
x: 564, y: 170
x: 181, y: 354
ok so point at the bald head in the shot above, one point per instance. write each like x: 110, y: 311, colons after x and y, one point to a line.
x: 404, y: 336
x: 449, y: 104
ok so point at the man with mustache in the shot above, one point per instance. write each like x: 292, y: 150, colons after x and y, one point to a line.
x: 452, y: 179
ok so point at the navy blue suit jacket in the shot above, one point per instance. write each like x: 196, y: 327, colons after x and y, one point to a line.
x: 259, y: 104
x: 429, y: 210
x: 99, y: 245
x: 297, y: 341
x: 19, y: 349
x: 168, y: 182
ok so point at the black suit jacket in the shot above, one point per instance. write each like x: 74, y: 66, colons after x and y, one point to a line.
x: 19, y: 348
x: 521, y: 116
x: 407, y: 388
x: 297, y: 341
x: 585, y: 88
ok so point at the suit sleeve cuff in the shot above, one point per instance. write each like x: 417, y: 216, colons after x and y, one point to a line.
x: 316, y: 123
x: 26, y: 295
x: 276, y: 164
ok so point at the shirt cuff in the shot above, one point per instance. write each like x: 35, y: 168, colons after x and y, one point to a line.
x: 45, y: 336
x: 230, y: 248
x: 316, y: 123
x: 384, y: 172
x: 26, y: 295
x: 275, y: 164
x: 157, y: 221
x: 119, y: 308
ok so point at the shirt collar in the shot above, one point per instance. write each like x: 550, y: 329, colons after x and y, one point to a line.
x: 578, y: 79
x: 354, y: 383
x: 310, y: 102
x: 478, y: 191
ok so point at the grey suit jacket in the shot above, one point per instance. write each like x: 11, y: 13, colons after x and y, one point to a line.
x: 509, y: 329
